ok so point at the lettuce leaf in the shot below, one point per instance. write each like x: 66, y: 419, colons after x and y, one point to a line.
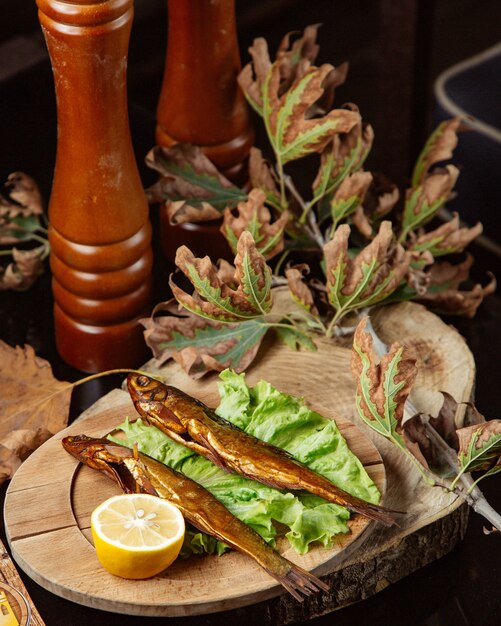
x: 283, y: 420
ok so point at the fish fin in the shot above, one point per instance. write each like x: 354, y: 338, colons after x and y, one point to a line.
x: 210, y: 453
x: 375, y: 512
x: 298, y: 582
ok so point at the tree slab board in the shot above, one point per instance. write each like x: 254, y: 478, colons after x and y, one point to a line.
x: 50, y: 538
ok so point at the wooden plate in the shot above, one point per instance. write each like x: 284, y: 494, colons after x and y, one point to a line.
x: 47, y: 515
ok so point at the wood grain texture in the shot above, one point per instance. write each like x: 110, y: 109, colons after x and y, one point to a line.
x: 435, y: 521
x: 10, y: 576
x: 48, y: 509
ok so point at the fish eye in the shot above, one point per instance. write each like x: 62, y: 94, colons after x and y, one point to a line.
x: 142, y: 381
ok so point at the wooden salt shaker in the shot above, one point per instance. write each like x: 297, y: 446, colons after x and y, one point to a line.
x: 100, y: 234
x: 200, y: 101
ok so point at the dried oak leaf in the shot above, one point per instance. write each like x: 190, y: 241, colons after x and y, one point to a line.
x: 200, y: 345
x: 262, y: 176
x: 369, y: 277
x: 246, y: 297
x: 33, y: 404
x: 300, y: 292
x: 349, y: 195
x: 346, y: 153
x: 382, y: 387
x: 447, y: 238
x: 447, y: 298
x: 299, y: 56
x: 480, y: 447
x: 426, y: 199
x: 419, y: 443
x: 23, y: 197
x: 439, y: 147
x: 254, y: 217
x: 26, y: 267
x: 190, y: 186
x: 292, y: 128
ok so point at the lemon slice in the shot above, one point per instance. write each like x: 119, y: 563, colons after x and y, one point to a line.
x: 137, y: 535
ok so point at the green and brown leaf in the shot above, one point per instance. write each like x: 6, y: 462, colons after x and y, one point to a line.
x: 382, y: 387
x: 448, y: 238
x: 190, y: 186
x: 424, y: 201
x: 245, y: 296
x: 439, y: 147
x: 254, y: 217
x: 201, y: 345
x: 344, y: 155
x: 480, y: 447
x: 301, y: 293
x: 369, y: 277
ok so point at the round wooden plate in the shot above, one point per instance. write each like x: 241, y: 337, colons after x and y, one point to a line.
x: 47, y: 515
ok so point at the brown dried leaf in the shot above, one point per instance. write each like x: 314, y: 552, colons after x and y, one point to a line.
x: 380, y: 199
x: 24, y: 197
x: 451, y: 301
x: 262, y: 176
x: 26, y: 267
x: 447, y: 238
x: 445, y: 422
x: 200, y: 345
x: 297, y: 58
x: 191, y: 187
x: 439, y: 147
x: 181, y: 211
x: 33, y: 404
x: 445, y: 275
x: 260, y: 66
x: 361, y: 222
x: 382, y: 388
x: 419, y: 444
x: 254, y: 217
x: 299, y: 290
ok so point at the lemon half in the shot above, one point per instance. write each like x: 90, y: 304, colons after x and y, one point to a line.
x: 137, y: 535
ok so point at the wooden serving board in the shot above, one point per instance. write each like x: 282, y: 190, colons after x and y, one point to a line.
x: 50, y: 498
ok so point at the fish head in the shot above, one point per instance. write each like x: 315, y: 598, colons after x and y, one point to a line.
x: 117, y: 462
x: 156, y: 402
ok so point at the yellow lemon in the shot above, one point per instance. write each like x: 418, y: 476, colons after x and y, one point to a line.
x: 137, y: 535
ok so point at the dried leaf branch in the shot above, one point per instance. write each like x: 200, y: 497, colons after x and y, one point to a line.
x: 371, y: 242
x: 443, y: 453
x: 21, y: 225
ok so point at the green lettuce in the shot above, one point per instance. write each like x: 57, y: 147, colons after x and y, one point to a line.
x: 286, y: 422
x: 283, y: 420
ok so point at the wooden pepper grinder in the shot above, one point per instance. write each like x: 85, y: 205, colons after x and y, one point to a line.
x: 100, y: 234
x: 200, y: 101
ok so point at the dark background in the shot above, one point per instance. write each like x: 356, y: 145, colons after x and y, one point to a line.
x: 396, y: 50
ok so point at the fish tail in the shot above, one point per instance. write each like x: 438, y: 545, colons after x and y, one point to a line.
x: 375, y: 512
x: 298, y: 582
